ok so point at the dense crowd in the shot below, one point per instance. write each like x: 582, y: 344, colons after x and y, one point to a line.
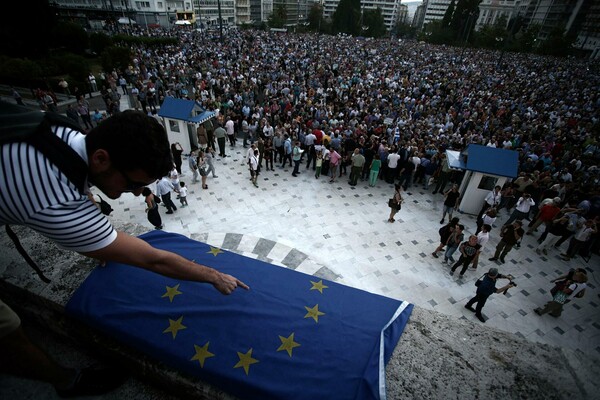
x: 400, y: 103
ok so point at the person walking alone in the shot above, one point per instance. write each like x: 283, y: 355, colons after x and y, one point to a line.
x: 152, y: 212
x: 395, y: 203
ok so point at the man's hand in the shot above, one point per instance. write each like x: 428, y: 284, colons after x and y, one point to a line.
x: 226, y: 284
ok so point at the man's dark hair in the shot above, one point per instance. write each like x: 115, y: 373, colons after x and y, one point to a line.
x: 133, y: 140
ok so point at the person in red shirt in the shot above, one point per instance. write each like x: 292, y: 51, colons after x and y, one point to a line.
x: 319, y: 134
x: 545, y: 215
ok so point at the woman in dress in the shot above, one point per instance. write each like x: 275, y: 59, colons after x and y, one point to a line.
x: 203, y: 168
x: 152, y: 209
x: 397, y: 202
x: 177, y: 151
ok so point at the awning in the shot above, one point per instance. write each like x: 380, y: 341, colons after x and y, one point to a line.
x: 183, y: 22
x: 125, y: 20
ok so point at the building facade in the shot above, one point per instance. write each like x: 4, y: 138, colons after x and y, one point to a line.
x: 390, y: 9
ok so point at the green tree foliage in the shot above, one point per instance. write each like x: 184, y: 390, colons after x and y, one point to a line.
x: 526, y: 39
x: 346, y: 18
x: 557, y: 43
x: 279, y: 17
x: 70, y: 36
x: 463, y: 19
x: 19, y: 70
x: 435, y: 32
x: 448, y: 14
x: 315, y: 17
x: 374, y: 22
x: 99, y: 41
x: 494, y: 36
x: 115, y: 57
x: 405, y: 30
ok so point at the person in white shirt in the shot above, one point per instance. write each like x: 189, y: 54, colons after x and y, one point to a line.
x: 268, y: 130
x: 482, y: 238
x: 488, y: 218
x: 522, y: 208
x: 578, y: 240
x: 163, y: 189
x: 254, y: 167
x: 492, y: 199
x: 229, y: 129
x: 392, y: 167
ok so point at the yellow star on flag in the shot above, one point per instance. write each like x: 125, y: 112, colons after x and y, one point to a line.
x: 245, y: 360
x: 288, y: 344
x: 172, y: 292
x: 202, y: 354
x: 318, y: 286
x: 214, y: 251
x: 313, y: 313
x: 175, y: 326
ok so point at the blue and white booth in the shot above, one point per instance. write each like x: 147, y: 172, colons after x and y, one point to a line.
x: 181, y: 119
x: 485, y: 167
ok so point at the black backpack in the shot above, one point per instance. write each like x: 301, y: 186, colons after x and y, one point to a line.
x: 21, y: 124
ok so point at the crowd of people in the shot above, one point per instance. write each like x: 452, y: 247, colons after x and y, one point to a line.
x: 386, y: 111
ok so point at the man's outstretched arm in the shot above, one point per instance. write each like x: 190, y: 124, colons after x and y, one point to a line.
x: 130, y: 250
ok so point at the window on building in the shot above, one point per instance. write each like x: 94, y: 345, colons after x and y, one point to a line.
x: 487, y: 182
x: 174, y: 126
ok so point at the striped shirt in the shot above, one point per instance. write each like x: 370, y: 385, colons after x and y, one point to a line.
x: 34, y: 193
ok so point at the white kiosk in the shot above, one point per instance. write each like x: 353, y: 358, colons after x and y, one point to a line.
x: 181, y: 119
x: 485, y: 167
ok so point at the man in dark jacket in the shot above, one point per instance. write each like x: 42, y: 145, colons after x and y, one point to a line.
x: 485, y: 289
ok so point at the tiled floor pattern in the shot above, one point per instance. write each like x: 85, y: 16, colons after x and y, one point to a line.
x: 341, y: 233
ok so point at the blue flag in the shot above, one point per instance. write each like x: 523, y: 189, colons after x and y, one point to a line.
x: 291, y: 336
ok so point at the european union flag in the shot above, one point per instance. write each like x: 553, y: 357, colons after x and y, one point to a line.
x: 291, y: 336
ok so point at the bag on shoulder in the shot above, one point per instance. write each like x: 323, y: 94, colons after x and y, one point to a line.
x: 157, y: 199
x: 479, y: 281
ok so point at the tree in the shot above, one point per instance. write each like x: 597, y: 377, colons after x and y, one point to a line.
x: 448, y: 15
x: 279, y: 17
x: 71, y: 36
x: 405, y: 30
x: 346, y: 18
x: 557, y: 43
x: 463, y: 19
x: 494, y: 36
x: 315, y: 16
x: 373, y: 20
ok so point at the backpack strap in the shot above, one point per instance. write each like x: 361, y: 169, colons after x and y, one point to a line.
x: 59, y: 152
x: 13, y: 236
